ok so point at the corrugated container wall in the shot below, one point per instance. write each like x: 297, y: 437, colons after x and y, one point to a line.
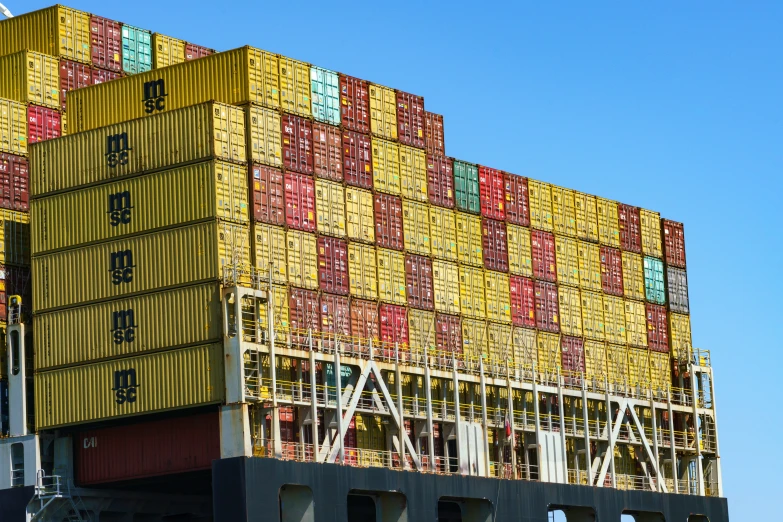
x: 540, y: 205
x: 474, y: 338
x: 294, y: 86
x: 492, y: 193
x: 520, y: 260
x: 466, y: 187
x: 547, y: 313
x: 302, y: 259
x: 391, y: 276
x: 335, y: 317
x: 330, y: 208
x: 674, y: 243
x: 469, y: 239
x: 365, y: 322
x: 433, y: 134
x: 421, y: 330
x: 446, y: 287
x: 654, y: 287
x: 418, y: 281
x: 264, y: 135
x: 589, y: 266
x: 325, y: 89
x: 166, y: 51
x: 394, y: 325
x: 304, y: 312
x: 614, y: 319
x: 629, y: 222
x: 633, y: 276
x: 448, y: 333
x: 14, y: 238
x: 30, y: 77
x: 386, y: 166
x: 567, y: 257
x: 440, y: 181
x: 543, y: 254
x: 73, y: 75
x: 657, y: 328
x: 13, y: 127
x: 363, y: 271
x: 333, y: 265
x: 136, y: 49
x: 495, y: 245
x: 517, y: 203
x: 357, y: 159
x: 677, y: 284
x: 443, y: 229
x: 14, y: 182
x: 651, y: 233
x: 593, y: 315
x: 388, y: 221
x: 523, y: 305
x: 327, y: 152
x: 413, y: 173
x: 106, y: 43
x: 570, y: 306
x: 300, y: 202
x: 636, y: 323
x: 194, y: 52
x: 680, y: 336
x: 268, y: 195
x: 56, y: 31
x: 383, y: 111
x: 471, y: 292
x: 410, y: 119
x: 416, y: 227
x: 608, y: 227
x: 269, y: 251
x: 297, y: 135
x: 14, y: 280
x: 611, y: 271
x: 359, y: 215
x: 586, y: 217
x: 43, y: 124
x: 563, y: 211
x: 595, y: 361
x: 355, y: 104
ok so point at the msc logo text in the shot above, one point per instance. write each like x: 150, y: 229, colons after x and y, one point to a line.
x: 117, y: 150
x: 119, y: 208
x: 125, y: 386
x: 121, y: 267
x: 154, y: 96
x: 123, y: 326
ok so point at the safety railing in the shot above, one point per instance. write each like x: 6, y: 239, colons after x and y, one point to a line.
x: 578, y: 476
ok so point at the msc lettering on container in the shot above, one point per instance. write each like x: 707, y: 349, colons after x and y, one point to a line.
x: 123, y: 326
x: 154, y: 96
x: 120, y: 208
x: 121, y: 267
x: 117, y: 149
x: 125, y: 386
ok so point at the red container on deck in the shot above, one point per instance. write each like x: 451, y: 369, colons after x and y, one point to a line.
x: 357, y: 159
x: 333, y: 265
x: 493, y: 234
x: 147, y: 449
x: 491, y: 193
x: 194, y: 52
x: 523, y: 303
x: 611, y: 271
x: 335, y: 316
x: 572, y: 353
x: 14, y: 280
x: 517, y: 200
x: 418, y: 281
x: 410, y: 119
x: 630, y: 227
x: 300, y: 201
x: 547, y: 313
x: 434, y: 139
x: 73, y: 75
x: 327, y: 152
x: 354, y: 104
x: 304, y: 313
x: 103, y: 76
x: 657, y: 329
x: 297, y: 135
x: 388, y: 221
x: 14, y: 182
x: 394, y: 325
x: 440, y: 181
x: 543, y: 253
x: 365, y: 323
x: 448, y: 333
x: 674, y: 243
x: 43, y: 124
x: 106, y: 43
x: 268, y: 195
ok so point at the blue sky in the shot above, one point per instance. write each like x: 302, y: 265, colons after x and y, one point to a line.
x: 670, y: 106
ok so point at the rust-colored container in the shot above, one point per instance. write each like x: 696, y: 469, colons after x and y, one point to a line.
x: 103, y: 76
x: 517, y: 201
x: 106, y: 43
x: 547, y: 314
x: 410, y: 119
x: 418, y: 281
x: 523, y: 302
x: 388, y: 221
x: 434, y: 139
x: 365, y: 322
x: 327, y: 152
x: 14, y: 182
x: 303, y: 313
x: 73, y: 75
x: 43, y: 124
x: 394, y: 325
x: 542, y: 248
x: 673, y: 243
x: 297, y: 135
x: 335, y: 317
x: 491, y: 193
x: 448, y: 333
x: 300, y: 201
x: 357, y: 159
x: 194, y: 52
x: 657, y: 328
x: 354, y: 104
x: 630, y: 225
x: 440, y: 181
x: 611, y: 271
x: 14, y: 280
x: 572, y: 355
x: 493, y: 234
x: 268, y: 195
x: 333, y: 265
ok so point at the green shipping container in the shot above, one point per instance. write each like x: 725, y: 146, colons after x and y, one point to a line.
x: 466, y: 187
x: 654, y: 288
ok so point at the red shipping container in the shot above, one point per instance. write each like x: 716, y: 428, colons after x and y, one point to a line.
x: 15, y: 280
x: 674, y: 243
x: 365, y: 323
x: 523, y: 304
x: 300, y: 201
x: 517, y: 200
x: 357, y: 159
x: 491, y: 193
x: 42, y: 124
x: 434, y: 138
x: 394, y: 325
x: 547, y: 313
x: 194, y: 52
x: 335, y: 318
x: 354, y: 104
x: 572, y: 353
x: 657, y: 329
x: 327, y: 152
x: 611, y: 271
x: 297, y: 136
x: 543, y: 253
x: 410, y: 119
x: 303, y: 313
x: 448, y: 333
x: 106, y: 40
x: 147, y: 449
x: 333, y: 265
x: 388, y: 221
x: 440, y: 181
x: 495, y: 245
x: 266, y: 186
x: 73, y: 75
x: 418, y: 280
x: 630, y: 227
x: 103, y: 76
x: 14, y: 182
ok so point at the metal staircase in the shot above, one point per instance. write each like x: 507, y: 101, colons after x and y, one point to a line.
x: 55, y: 501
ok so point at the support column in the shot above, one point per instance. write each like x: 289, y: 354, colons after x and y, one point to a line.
x: 586, y: 420
x: 655, y: 441
x: 536, y: 414
x: 562, y: 424
x: 270, y: 318
x: 464, y: 470
x: 339, y: 385
x: 484, y: 418
x: 696, y: 444
x: 314, y: 404
x: 673, y: 450
x: 428, y: 395
x: 511, y: 420
x: 398, y: 378
x: 609, y: 430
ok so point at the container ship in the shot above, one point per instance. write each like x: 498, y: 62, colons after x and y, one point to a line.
x: 237, y: 286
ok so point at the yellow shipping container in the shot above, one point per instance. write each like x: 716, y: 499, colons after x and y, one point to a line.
x: 595, y: 361
x: 443, y: 229
x: 138, y: 205
x: 586, y: 217
x: 391, y: 276
x: 563, y: 211
x: 421, y: 330
x: 14, y: 237
x: 614, y: 319
x: 166, y: 50
x: 548, y: 351
x: 499, y: 339
x: 269, y: 252
x: 608, y: 224
x: 13, y: 128
x: 617, y: 363
x: 416, y: 227
x: 362, y: 271
x: 57, y: 31
x: 524, y: 347
x: 471, y: 292
x: 330, y: 208
x: 264, y: 136
x: 567, y: 256
x: 474, y: 339
x: 3, y: 351
x: 302, y: 259
x: 680, y: 336
x: 651, y: 233
x: 633, y: 276
x: 174, y: 318
x: 593, y: 315
x: 370, y: 435
x: 570, y: 304
x: 520, y: 258
x: 294, y: 86
x: 359, y: 213
x: 281, y: 315
x: 660, y: 371
x: 383, y: 111
x: 498, y: 301
x: 413, y: 173
x: 386, y: 166
x: 638, y: 367
x: 150, y: 383
x: 445, y: 282
x: 30, y: 77
x: 540, y: 195
x: 469, y: 239
x: 192, y: 134
x: 636, y: 323
x: 589, y: 266
x: 244, y: 75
